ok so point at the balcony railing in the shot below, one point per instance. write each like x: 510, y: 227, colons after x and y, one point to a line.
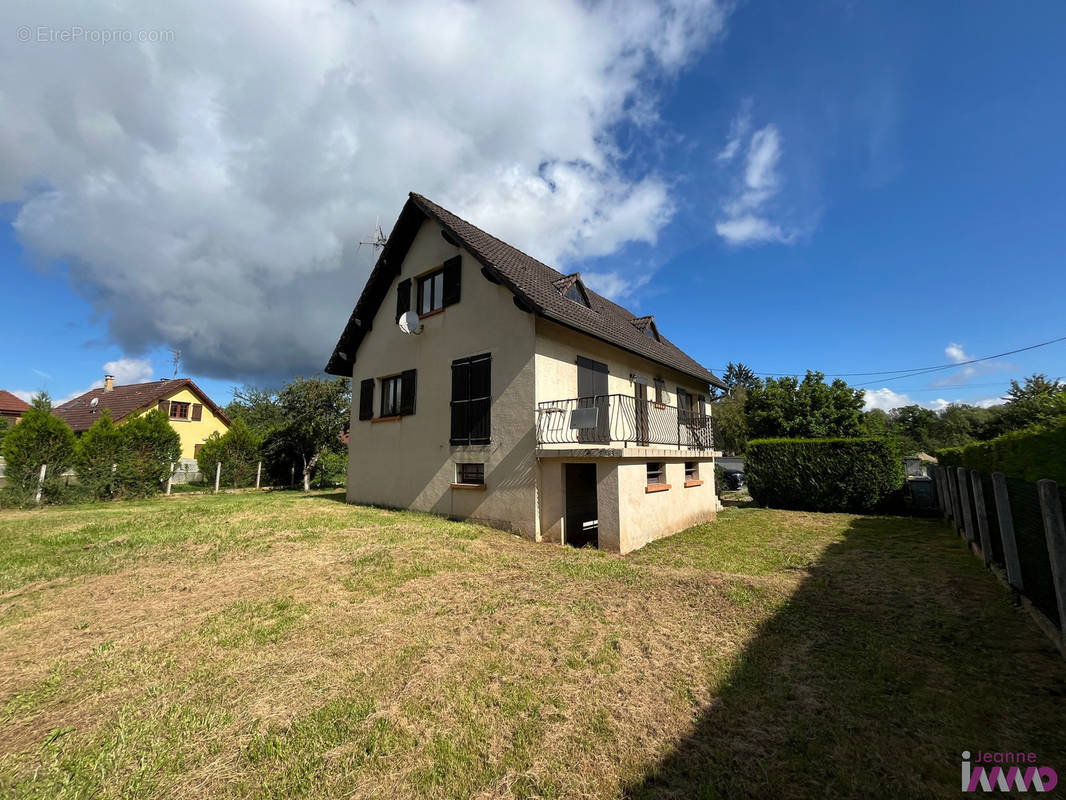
x: 621, y: 419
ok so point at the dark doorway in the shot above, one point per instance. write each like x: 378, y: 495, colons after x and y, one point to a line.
x: 581, y: 527
x: 640, y: 403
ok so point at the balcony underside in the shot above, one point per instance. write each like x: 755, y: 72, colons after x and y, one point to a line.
x: 649, y: 453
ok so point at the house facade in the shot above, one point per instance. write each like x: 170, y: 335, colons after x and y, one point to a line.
x: 520, y: 398
x: 190, y: 411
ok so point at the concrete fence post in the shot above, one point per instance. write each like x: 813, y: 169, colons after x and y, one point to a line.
x: 964, y: 501
x: 258, y: 474
x: 1055, y: 531
x: 982, y: 515
x: 1006, y: 531
x: 170, y: 478
x: 951, y: 494
x: 941, y: 490
x: 218, y: 474
x: 956, y: 507
x: 40, y: 482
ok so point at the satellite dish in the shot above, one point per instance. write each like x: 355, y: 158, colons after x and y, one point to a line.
x: 410, y: 323
x: 94, y: 403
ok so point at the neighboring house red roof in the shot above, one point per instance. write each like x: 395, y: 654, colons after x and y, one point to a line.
x: 536, y: 287
x: 9, y: 404
x: 122, y: 401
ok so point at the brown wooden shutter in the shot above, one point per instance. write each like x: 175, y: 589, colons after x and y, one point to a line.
x: 197, y: 412
x: 453, y: 275
x: 164, y: 406
x: 403, y: 298
x: 408, y: 380
x: 366, y: 399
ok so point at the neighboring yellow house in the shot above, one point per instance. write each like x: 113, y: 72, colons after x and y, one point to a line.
x: 192, y: 413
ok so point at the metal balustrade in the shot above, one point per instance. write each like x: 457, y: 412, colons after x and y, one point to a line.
x: 622, y: 420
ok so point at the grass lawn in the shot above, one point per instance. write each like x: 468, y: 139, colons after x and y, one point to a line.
x: 281, y: 645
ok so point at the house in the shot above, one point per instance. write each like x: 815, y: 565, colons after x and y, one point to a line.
x: 11, y: 407
x: 191, y: 412
x: 520, y: 397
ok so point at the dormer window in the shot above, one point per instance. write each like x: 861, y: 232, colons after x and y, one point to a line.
x: 573, y: 289
x: 646, y: 325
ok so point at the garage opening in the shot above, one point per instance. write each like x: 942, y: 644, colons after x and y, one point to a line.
x: 582, y: 525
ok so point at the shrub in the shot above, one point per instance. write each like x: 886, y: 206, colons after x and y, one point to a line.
x: 40, y: 438
x: 1030, y: 454
x: 238, y: 452
x: 150, y: 449
x: 823, y: 474
x: 100, y: 450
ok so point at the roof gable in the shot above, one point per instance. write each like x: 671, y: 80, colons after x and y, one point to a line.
x: 536, y: 287
x: 122, y: 401
x: 11, y: 404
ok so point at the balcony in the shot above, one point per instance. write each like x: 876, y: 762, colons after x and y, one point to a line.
x: 622, y: 421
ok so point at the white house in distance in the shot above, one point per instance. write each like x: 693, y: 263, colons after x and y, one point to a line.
x: 517, y: 396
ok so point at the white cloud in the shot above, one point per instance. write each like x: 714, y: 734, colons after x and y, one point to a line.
x: 738, y: 129
x: 23, y: 395
x: 956, y: 353
x: 614, y: 285
x: 747, y: 210
x: 886, y: 399
x: 208, y: 193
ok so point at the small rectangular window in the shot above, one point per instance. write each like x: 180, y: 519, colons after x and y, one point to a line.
x: 179, y: 410
x: 470, y: 474
x: 692, y: 471
x: 431, y: 292
x: 656, y: 473
x: 390, y: 396
x: 660, y: 391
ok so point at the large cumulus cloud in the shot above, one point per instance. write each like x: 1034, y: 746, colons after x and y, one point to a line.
x: 209, y: 192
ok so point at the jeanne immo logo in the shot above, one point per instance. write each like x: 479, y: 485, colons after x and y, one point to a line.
x: 1006, y: 772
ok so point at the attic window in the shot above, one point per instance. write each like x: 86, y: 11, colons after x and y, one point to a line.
x: 647, y: 326
x: 572, y: 289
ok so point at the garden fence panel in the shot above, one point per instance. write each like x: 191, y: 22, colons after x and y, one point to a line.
x: 1032, y: 547
x: 995, y: 536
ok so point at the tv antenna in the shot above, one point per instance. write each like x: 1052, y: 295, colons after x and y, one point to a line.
x: 175, y: 357
x: 378, y: 239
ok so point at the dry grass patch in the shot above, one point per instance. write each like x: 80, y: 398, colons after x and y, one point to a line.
x: 281, y: 646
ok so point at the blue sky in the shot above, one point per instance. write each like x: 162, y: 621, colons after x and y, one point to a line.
x: 840, y: 186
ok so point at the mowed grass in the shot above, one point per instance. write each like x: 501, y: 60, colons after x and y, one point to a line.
x: 282, y: 645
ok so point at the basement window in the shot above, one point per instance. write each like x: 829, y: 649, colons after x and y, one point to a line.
x: 469, y: 474
x: 692, y: 471
x: 656, y: 477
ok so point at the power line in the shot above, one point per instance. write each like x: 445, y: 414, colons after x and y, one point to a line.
x: 896, y: 374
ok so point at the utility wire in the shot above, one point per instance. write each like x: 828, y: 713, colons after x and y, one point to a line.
x: 907, y: 373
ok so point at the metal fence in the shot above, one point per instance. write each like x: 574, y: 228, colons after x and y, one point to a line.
x: 1017, y: 528
x: 622, y: 419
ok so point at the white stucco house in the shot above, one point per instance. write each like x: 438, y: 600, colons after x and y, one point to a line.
x: 525, y: 400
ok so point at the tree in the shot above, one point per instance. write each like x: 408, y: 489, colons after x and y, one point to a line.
x: 739, y: 376
x: 99, y: 452
x: 151, y: 449
x: 258, y: 408
x: 730, y: 423
x: 808, y: 409
x: 39, y: 438
x: 237, y: 450
x: 876, y: 423
x: 316, y: 411
x: 1038, y: 401
x: 4, y: 425
x: 41, y: 401
x: 913, y: 427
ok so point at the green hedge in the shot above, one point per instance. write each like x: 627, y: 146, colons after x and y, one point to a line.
x: 823, y: 474
x: 1029, y: 454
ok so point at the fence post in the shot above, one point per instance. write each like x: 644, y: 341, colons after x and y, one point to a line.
x: 956, y: 513
x: 982, y: 515
x: 40, y: 482
x: 292, y: 480
x: 1006, y: 531
x: 258, y: 473
x: 1055, y: 531
x: 964, y: 502
x: 170, y: 478
x: 218, y: 474
x: 938, y: 481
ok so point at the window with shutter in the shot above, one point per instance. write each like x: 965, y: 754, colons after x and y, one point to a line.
x: 407, y: 392
x: 197, y: 412
x: 366, y: 399
x: 453, y: 275
x: 471, y: 400
x: 403, y: 298
x: 431, y: 292
x: 164, y: 406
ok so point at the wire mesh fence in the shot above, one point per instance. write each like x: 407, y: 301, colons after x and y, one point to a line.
x: 1005, y: 519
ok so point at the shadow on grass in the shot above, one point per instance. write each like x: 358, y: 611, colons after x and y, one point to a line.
x: 896, y: 652
x: 316, y: 494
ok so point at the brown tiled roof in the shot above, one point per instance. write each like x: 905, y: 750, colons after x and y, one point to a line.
x: 536, y: 286
x: 122, y: 401
x: 9, y: 404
